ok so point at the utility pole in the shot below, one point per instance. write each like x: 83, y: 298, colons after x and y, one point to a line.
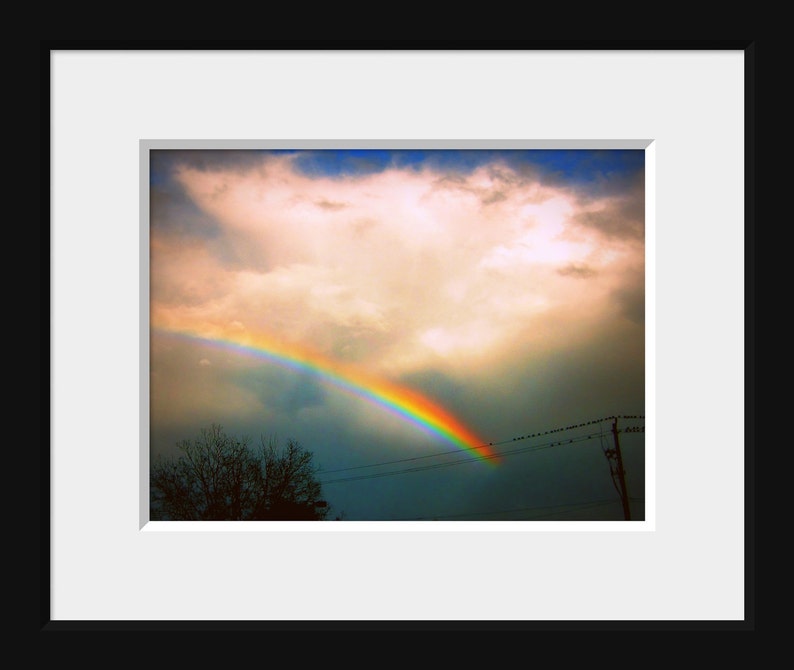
x: 624, y: 495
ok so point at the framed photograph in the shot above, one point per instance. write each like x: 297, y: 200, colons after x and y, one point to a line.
x: 417, y: 326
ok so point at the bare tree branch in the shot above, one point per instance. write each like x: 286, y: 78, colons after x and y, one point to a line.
x: 218, y: 477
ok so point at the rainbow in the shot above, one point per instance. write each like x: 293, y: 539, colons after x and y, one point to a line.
x: 399, y: 400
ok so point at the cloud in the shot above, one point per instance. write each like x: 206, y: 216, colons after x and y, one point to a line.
x: 618, y: 216
x: 444, y: 264
x: 579, y: 271
x: 328, y: 204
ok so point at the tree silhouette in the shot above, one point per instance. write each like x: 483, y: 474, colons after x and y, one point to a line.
x: 218, y: 477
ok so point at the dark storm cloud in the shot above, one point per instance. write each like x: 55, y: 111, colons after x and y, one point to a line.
x: 172, y: 211
x: 631, y: 299
x: 502, y: 184
x: 625, y: 219
x: 577, y: 271
x: 493, y: 197
x: 330, y: 205
x: 281, y: 390
x: 164, y: 161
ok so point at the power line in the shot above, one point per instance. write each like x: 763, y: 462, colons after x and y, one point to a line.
x: 400, y: 460
x: 490, y: 444
x: 513, y: 452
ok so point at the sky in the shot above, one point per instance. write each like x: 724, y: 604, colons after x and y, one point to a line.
x: 453, y: 334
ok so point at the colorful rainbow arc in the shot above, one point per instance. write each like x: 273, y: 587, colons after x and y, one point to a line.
x: 399, y: 400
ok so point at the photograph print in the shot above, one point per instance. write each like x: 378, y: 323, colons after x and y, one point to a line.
x: 412, y: 334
